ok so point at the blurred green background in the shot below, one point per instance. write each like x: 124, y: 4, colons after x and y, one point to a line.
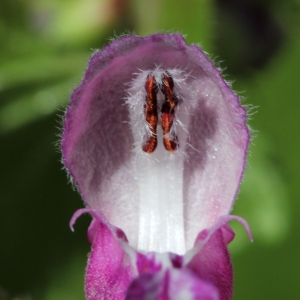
x: 44, y: 47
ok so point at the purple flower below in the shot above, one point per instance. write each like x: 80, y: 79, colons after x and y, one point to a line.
x: 156, y: 142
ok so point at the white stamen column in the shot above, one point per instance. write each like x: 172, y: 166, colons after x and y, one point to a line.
x: 159, y: 174
x: 161, y: 214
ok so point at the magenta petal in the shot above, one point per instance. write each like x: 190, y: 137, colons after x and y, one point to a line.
x: 212, y: 262
x: 146, y: 286
x: 171, y: 285
x: 93, y: 229
x: 184, y: 284
x: 109, y: 271
x: 115, y: 269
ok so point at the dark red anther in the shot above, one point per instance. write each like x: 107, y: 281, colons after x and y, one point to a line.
x: 151, y: 115
x: 168, y: 112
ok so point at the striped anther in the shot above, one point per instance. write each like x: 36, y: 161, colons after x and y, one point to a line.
x: 168, y: 112
x: 151, y: 115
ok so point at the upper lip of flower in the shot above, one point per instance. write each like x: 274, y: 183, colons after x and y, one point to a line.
x: 164, y: 199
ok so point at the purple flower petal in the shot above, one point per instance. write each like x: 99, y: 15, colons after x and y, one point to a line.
x: 156, y: 142
x: 160, y: 200
x: 109, y: 271
x: 214, y: 264
x: 171, y: 284
x: 210, y: 258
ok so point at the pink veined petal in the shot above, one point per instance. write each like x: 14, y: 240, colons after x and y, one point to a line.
x: 99, y: 135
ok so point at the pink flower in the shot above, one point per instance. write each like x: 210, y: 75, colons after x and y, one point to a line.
x: 156, y: 141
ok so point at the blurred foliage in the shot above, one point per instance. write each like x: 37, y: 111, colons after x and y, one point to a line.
x: 43, y: 52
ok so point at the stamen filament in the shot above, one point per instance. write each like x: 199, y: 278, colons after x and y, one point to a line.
x: 161, y: 215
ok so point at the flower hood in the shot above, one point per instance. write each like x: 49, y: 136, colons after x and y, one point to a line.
x: 155, y: 141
